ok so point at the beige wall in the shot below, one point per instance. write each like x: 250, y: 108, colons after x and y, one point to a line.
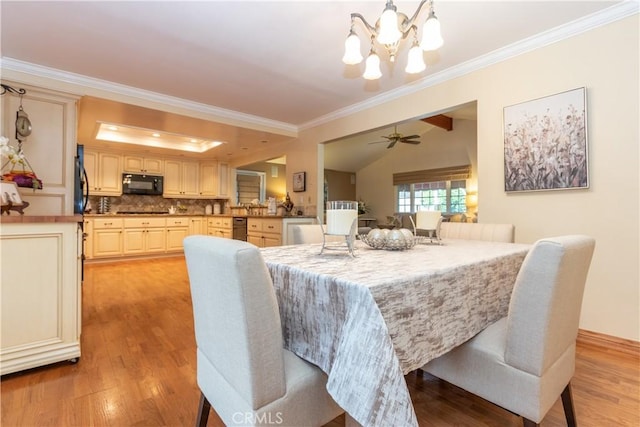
x: 342, y: 185
x: 605, y: 61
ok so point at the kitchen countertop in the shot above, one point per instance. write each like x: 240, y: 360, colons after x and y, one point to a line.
x: 31, y: 219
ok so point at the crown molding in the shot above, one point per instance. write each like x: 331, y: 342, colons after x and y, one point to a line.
x: 235, y: 117
x: 587, y: 23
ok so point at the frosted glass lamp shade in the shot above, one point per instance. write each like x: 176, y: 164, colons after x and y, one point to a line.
x: 415, y: 63
x: 372, y: 69
x: 388, y: 32
x: 431, y: 36
x: 352, y: 53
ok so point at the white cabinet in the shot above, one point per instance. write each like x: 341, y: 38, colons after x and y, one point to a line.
x: 41, y: 294
x: 177, y: 230
x: 104, y: 173
x: 139, y: 164
x: 87, y: 238
x: 220, y: 226
x: 197, y: 225
x: 264, y: 232
x: 181, y: 178
x: 223, y: 179
x: 107, y: 237
x: 214, y: 179
x: 143, y: 235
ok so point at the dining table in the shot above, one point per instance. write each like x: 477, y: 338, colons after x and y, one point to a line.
x: 367, y: 320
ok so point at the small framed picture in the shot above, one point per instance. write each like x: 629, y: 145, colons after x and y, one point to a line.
x: 9, y: 193
x: 299, y: 181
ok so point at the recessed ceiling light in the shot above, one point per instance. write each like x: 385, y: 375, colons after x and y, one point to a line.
x: 141, y: 136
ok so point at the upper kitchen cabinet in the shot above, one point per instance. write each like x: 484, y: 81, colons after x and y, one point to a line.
x: 214, y: 179
x: 181, y: 179
x: 104, y: 173
x: 139, y: 164
x: 49, y: 149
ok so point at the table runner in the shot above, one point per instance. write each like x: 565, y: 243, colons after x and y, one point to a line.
x: 367, y: 321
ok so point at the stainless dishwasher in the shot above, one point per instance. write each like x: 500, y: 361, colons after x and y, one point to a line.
x: 240, y: 228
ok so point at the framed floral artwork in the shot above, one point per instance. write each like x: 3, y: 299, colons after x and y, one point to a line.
x: 545, y: 143
x: 299, y: 181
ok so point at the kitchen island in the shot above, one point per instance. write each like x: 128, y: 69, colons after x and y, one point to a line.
x: 40, y: 258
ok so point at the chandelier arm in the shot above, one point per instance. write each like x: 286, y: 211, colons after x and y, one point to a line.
x: 415, y: 15
x: 371, y: 29
x: 10, y: 89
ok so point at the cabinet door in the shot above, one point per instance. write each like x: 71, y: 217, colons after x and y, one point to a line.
x: 107, y: 242
x: 223, y: 179
x: 91, y: 167
x: 155, y: 240
x: 270, y: 240
x: 88, y: 238
x: 109, y: 174
x: 255, y: 239
x: 133, y: 241
x: 209, y: 179
x: 172, y: 178
x: 190, y: 177
x: 134, y: 164
x: 153, y: 166
x: 175, y: 236
x: 196, y: 225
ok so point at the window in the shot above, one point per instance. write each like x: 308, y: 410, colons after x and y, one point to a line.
x: 444, y: 196
x: 443, y: 189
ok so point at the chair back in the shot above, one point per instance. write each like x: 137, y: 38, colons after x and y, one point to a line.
x: 545, y: 304
x: 306, y: 233
x: 428, y: 220
x: 236, y: 317
x: 478, y: 231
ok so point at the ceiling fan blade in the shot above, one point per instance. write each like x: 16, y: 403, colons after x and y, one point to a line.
x: 410, y: 137
x: 411, y: 142
x: 392, y: 143
x: 377, y: 142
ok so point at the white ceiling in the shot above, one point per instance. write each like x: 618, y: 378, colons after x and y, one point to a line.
x: 269, y: 61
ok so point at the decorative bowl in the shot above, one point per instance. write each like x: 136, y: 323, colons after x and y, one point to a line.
x: 394, y: 240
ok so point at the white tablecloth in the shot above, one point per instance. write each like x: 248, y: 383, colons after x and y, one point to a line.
x: 367, y: 321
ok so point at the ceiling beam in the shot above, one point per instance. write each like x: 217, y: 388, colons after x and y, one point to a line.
x: 441, y: 121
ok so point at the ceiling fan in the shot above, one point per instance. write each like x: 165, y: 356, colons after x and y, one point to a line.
x: 396, y: 137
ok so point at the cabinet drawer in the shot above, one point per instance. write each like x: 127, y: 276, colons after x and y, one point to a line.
x: 144, y: 222
x: 107, y: 223
x: 178, y: 222
x: 272, y: 226
x: 219, y: 222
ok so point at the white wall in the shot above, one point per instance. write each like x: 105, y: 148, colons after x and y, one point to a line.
x: 605, y: 61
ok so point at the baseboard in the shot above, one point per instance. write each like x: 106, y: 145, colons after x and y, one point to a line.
x: 610, y: 342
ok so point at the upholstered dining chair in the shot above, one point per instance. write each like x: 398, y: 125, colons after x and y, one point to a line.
x: 311, y: 233
x: 525, y: 361
x: 243, y: 371
x: 478, y: 231
x: 429, y: 222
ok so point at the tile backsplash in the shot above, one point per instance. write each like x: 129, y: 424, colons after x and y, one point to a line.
x: 137, y: 203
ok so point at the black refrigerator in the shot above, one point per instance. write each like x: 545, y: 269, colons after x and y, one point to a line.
x: 80, y: 196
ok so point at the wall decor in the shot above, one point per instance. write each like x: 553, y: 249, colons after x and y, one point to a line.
x: 299, y: 181
x: 545, y: 143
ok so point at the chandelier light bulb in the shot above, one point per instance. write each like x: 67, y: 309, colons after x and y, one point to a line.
x: 389, y: 33
x: 415, y: 62
x: 352, y: 53
x: 372, y: 68
x: 431, y: 36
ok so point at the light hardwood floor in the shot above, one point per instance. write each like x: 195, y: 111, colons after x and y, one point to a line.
x: 138, y: 367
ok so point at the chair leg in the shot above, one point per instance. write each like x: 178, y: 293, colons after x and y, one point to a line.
x: 567, y: 404
x: 203, y: 411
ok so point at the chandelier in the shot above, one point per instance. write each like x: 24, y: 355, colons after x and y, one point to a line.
x: 391, y: 28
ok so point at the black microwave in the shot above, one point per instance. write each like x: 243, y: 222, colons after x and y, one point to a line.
x: 141, y: 184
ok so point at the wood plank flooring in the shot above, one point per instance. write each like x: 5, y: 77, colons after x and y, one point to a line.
x: 138, y: 367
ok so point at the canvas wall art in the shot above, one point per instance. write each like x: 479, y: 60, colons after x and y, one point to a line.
x: 545, y: 143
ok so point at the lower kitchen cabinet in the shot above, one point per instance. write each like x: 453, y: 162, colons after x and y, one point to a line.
x: 107, y: 237
x: 197, y: 225
x: 40, y: 294
x: 177, y: 230
x: 144, y: 235
x: 264, y: 232
x: 220, y: 226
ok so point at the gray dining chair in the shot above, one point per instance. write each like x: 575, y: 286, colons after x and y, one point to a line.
x: 243, y: 371
x: 525, y: 361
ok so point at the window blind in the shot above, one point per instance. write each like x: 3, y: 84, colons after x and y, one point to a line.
x: 451, y: 173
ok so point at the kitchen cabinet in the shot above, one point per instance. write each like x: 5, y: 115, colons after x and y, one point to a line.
x: 197, y: 225
x: 107, y: 237
x: 139, y: 164
x: 177, y: 230
x: 264, y: 232
x: 214, y: 179
x: 220, y: 226
x: 143, y: 235
x: 104, y: 173
x: 181, y: 178
x: 223, y: 179
x: 40, y: 302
